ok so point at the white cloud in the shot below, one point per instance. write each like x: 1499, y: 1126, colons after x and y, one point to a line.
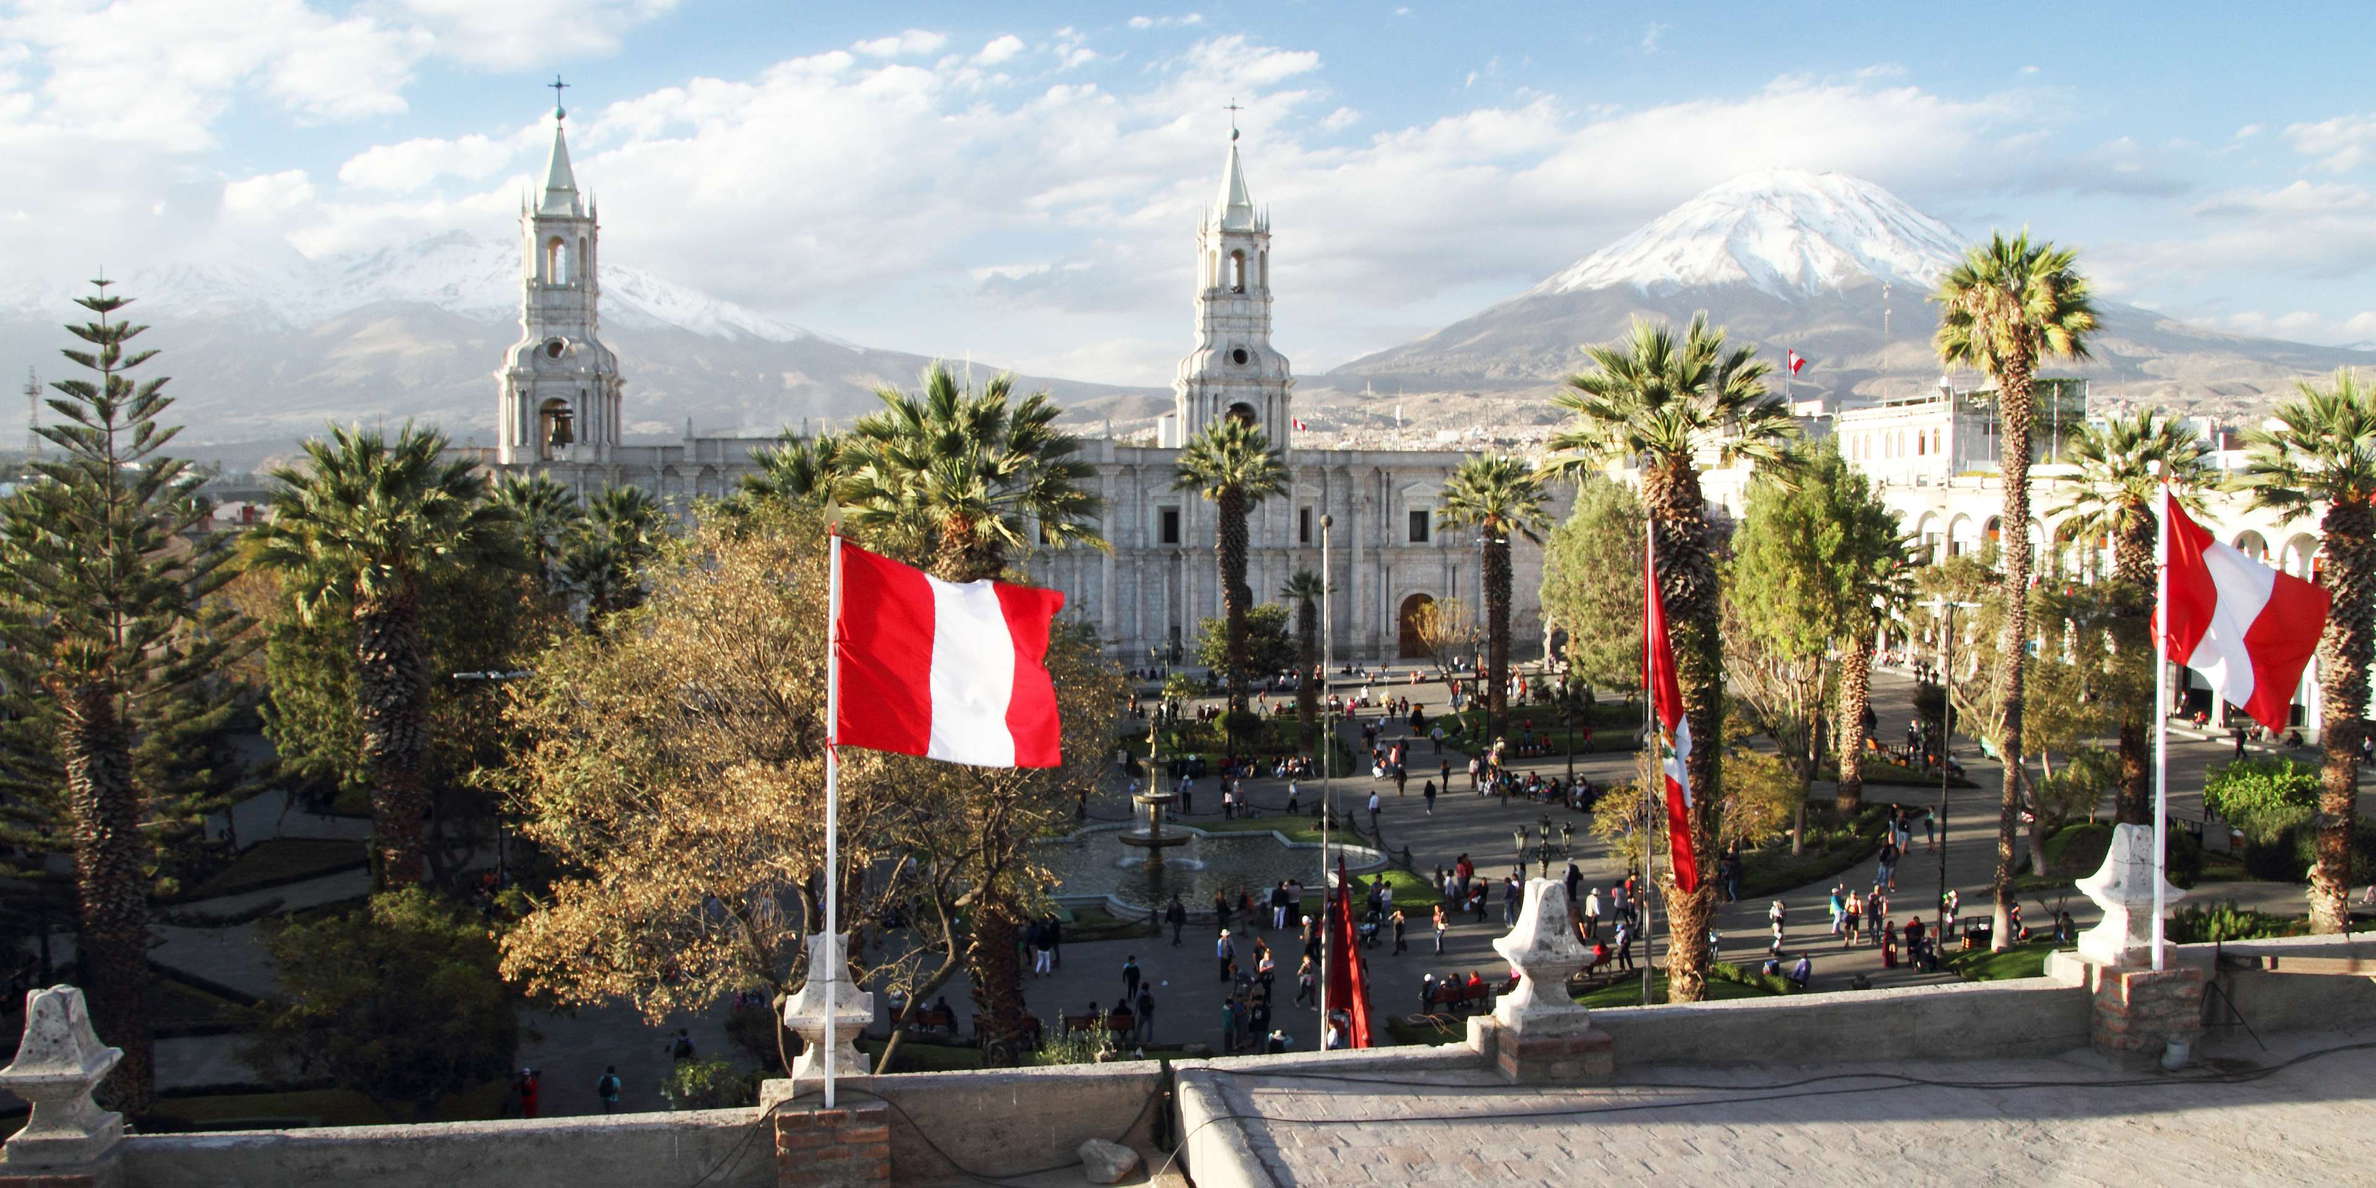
x: 414, y: 164
x: 2341, y: 144
x: 1340, y: 119
x: 909, y: 44
x: 1652, y: 36
x: 268, y: 195
x: 998, y: 49
x: 2303, y: 326
x: 519, y: 34
x: 1182, y: 21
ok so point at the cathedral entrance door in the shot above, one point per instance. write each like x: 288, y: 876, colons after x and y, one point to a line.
x: 1411, y: 647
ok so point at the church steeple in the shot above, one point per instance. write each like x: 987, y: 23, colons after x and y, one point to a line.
x: 1234, y: 370
x: 560, y: 391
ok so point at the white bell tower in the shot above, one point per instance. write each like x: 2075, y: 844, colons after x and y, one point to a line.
x: 560, y: 387
x: 1234, y: 371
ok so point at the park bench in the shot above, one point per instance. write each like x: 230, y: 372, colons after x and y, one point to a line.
x: 934, y: 1019
x: 1088, y: 1021
x: 1121, y: 1023
x: 1031, y: 1033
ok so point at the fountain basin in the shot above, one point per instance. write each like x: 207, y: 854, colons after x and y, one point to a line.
x: 1106, y: 863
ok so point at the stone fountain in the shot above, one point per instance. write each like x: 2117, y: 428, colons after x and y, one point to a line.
x: 1151, y: 837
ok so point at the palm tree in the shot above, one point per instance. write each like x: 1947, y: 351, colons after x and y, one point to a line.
x: 960, y: 482
x: 2121, y: 465
x: 1231, y: 464
x: 1305, y: 589
x: 2320, y: 449
x: 621, y: 530
x: 1658, y: 402
x: 1881, y: 590
x: 358, y: 527
x: 797, y: 469
x: 1497, y: 495
x: 2007, y: 305
x: 545, y: 512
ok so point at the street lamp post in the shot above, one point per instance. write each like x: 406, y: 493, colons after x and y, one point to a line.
x: 1946, y: 609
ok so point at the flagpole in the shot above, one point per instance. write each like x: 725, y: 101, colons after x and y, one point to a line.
x: 1653, y: 769
x: 2161, y: 712
x: 833, y: 593
x: 1327, y: 757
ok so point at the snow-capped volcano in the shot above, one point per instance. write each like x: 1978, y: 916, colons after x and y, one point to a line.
x: 1786, y: 232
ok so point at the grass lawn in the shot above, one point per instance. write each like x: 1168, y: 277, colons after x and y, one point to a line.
x: 1097, y: 924
x: 1627, y: 991
x: 2026, y: 960
x: 279, y: 861
x: 175, y: 1006
x: 1613, y: 727
x: 1889, y: 773
x: 943, y: 1057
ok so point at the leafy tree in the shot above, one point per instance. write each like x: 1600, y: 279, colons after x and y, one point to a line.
x: 359, y: 530
x: 1447, y: 628
x: 544, y: 514
x: 1305, y: 589
x: 2319, y: 451
x: 708, y: 1085
x: 2264, y: 798
x: 2120, y: 467
x: 672, y: 768
x: 112, y: 638
x: 1231, y: 464
x: 1592, y: 583
x: 1664, y: 402
x: 1810, y: 558
x: 2008, y: 304
x: 1499, y: 496
x: 619, y: 533
x: 398, y: 1001
x: 1267, y: 648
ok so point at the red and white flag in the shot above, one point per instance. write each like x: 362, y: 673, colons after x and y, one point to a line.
x: 2243, y: 624
x: 1796, y: 360
x: 1298, y: 423
x: 948, y: 670
x: 1674, y: 727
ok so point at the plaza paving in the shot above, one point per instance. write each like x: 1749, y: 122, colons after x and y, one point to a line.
x: 2296, y: 1113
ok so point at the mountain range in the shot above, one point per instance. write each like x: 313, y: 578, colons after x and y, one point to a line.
x: 1833, y: 267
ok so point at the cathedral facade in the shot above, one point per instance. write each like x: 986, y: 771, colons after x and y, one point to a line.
x: 560, y: 392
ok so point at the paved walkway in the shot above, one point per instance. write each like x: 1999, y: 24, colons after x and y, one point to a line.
x: 2249, y: 1117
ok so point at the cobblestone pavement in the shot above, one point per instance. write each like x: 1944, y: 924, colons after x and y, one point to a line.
x: 2069, y: 1120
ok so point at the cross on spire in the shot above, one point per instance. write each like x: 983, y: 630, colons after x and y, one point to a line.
x: 559, y: 112
x: 1232, y: 108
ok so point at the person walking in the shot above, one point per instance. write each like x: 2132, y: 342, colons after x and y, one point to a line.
x: 1130, y: 976
x: 607, y: 1088
x: 1427, y: 791
x: 1144, y: 1026
x: 1511, y: 894
x: 1224, y: 954
x: 1775, y: 915
x: 1885, y: 865
x: 1177, y: 916
x: 1624, y: 937
x: 1399, y: 947
x: 1307, y: 982
x: 530, y: 1087
x: 1592, y: 914
x: 1838, y: 905
x: 1851, y: 918
x: 1373, y: 812
x: 1440, y: 925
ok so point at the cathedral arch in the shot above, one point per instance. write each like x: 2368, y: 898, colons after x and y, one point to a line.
x: 556, y: 261
x: 1242, y: 412
x: 2252, y: 544
x: 1408, y: 642
x: 1237, y: 272
x: 554, y: 426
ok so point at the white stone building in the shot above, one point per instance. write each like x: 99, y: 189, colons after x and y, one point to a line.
x: 560, y: 394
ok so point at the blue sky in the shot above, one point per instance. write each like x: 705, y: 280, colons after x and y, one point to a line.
x: 1021, y: 182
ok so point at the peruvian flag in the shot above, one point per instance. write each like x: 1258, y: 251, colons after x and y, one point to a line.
x: 1348, y: 980
x: 2235, y: 620
x: 1796, y: 360
x: 1298, y: 423
x: 1674, y: 728
x: 947, y: 670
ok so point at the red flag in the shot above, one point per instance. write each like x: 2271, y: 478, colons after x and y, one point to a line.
x: 947, y: 670
x: 1797, y: 361
x: 1348, y: 983
x: 2245, y: 625
x: 1674, y: 728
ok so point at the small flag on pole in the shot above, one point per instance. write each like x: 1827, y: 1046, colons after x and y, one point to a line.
x: 1674, y: 727
x: 1796, y: 360
x: 2248, y: 627
x: 948, y: 670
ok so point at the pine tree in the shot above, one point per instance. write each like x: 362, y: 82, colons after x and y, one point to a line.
x: 109, y: 616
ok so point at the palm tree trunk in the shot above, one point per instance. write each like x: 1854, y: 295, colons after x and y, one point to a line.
x: 1236, y: 597
x: 1856, y: 683
x: 96, y: 746
x: 2016, y: 404
x: 1687, y: 578
x: 2344, y: 652
x: 1497, y: 623
x: 2132, y: 567
x: 997, y: 976
x: 392, y: 689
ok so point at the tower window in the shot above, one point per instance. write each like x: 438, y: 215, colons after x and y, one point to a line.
x: 554, y: 347
x: 1242, y: 412
x: 1167, y: 526
x: 1239, y: 356
x: 1419, y: 525
x: 1237, y: 272
x: 556, y: 261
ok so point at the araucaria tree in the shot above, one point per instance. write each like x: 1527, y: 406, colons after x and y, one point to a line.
x: 1231, y: 464
x: 1662, y: 401
x: 2121, y: 465
x: 2009, y: 304
x: 107, y: 608
x: 1499, y: 496
x: 358, y: 528
x: 961, y: 483
x: 2319, y: 451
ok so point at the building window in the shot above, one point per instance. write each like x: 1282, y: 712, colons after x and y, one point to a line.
x: 1237, y: 272
x: 1167, y: 529
x: 1303, y: 525
x: 1419, y: 526
x: 556, y: 261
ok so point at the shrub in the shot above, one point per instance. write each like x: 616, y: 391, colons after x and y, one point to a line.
x: 2304, y: 849
x: 709, y: 1085
x: 2263, y: 798
x: 2196, y: 924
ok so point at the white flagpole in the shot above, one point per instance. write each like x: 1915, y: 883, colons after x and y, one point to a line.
x: 2161, y: 712
x: 1328, y: 738
x: 833, y: 592
x: 1655, y: 776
